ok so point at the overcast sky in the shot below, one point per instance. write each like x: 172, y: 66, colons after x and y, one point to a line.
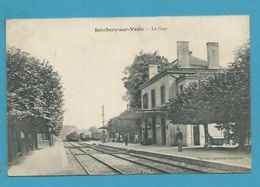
x: 91, y: 63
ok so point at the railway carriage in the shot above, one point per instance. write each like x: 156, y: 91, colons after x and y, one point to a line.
x: 85, y: 136
x: 95, y: 135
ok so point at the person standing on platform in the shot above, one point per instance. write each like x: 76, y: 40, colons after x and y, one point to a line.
x: 136, y: 138
x: 126, y: 139
x: 179, y: 138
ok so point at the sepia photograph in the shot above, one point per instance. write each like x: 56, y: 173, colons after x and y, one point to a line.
x: 124, y: 96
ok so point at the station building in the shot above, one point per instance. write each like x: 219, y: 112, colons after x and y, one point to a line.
x: 155, y: 128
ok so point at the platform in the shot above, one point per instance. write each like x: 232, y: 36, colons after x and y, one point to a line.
x: 45, y: 161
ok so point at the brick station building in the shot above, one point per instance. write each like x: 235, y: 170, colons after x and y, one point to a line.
x: 155, y: 128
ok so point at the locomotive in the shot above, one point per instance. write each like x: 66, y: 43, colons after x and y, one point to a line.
x: 74, y: 136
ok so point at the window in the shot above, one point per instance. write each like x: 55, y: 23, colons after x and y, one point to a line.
x: 145, y: 101
x: 181, y: 88
x: 153, y: 101
x: 162, y: 94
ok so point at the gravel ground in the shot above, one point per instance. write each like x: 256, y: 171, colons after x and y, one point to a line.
x: 76, y: 168
x: 125, y: 166
x: 227, y: 156
x: 95, y: 167
x: 76, y: 151
x: 179, y: 170
x: 171, y: 169
x: 90, y: 151
x: 133, y: 168
x: 166, y: 167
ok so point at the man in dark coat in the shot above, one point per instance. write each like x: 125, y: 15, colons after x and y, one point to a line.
x: 126, y: 139
x: 179, y: 138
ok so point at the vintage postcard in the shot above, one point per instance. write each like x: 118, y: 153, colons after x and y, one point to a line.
x: 112, y: 96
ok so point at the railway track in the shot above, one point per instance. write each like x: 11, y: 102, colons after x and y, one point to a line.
x: 80, y: 163
x: 176, y: 164
x: 186, y: 168
x: 114, y: 169
x: 157, y: 165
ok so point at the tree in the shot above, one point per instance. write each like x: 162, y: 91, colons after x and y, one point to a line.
x: 93, y: 129
x: 113, y: 126
x: 121, y: 125
x: 192, y: 107
x: 239, y: 92
x: 137, y: 74
x: 34, y: 91
x: 223, y: 98
x: 232, y: 95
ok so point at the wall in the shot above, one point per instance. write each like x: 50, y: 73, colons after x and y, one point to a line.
x: 214, y: 132
x: 171, y: 131
x: 158, y: 130
x: 202, y: 136
x: 190, y: 135
x: 173, y: 87
x: 157, y: 127
x: 170, y: 90
x: 185, y: 83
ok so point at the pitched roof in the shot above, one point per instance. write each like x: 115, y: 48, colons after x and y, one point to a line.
x: 197, y: 62
x: 196, y: 65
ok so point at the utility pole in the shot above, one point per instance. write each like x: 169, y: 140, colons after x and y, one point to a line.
x: 103, y: 115
x: 103, y: 122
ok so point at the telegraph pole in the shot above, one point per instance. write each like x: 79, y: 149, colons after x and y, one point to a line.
x: 103, y: 115
x: 103, y: 122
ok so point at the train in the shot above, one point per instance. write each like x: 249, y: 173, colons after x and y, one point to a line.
x: 95, y: 136
x: 84, y: 136
x: 73, y: 136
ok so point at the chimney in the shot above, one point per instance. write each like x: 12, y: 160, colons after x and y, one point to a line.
x: 183, y: 54
x: 213, y: 55
x: 153, y: 70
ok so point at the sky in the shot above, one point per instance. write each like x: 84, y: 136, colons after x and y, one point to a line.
x: 91, y: 63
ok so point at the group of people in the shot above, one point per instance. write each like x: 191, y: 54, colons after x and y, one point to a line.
x: 179, y: 139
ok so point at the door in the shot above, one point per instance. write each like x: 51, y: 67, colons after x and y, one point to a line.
x: 196, y: 134
x: 163, y: 123
x: 145, y: 135
x: 154, y: 129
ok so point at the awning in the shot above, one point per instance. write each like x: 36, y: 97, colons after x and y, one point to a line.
x: 103, y: 127
x: 139, y: 114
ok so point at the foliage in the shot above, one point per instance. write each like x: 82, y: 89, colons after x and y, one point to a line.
x: 137, y: 74
x: 223, y: 98
x: 34, y: 90
x: 113, y: 125
x: 119, y: 125
x: 93, y: 129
